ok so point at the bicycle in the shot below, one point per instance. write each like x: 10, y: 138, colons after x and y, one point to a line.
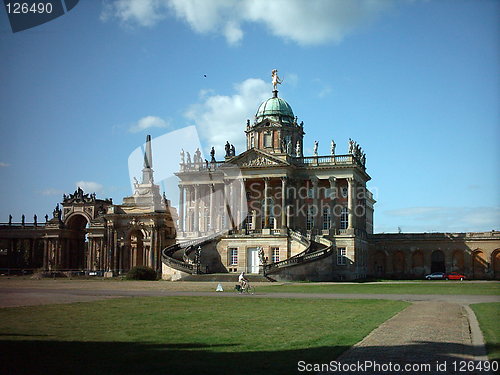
x: 248, y: 289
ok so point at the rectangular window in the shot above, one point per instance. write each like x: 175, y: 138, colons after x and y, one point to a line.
x: 249, y: 222
x: 268, y: 140
x: 310, y: 192
x: 276, y: 254
x: 233, y: 256
x: 344, y: 218
x: 309, y: 218
x: 326, y: 218
x: 341, y: 256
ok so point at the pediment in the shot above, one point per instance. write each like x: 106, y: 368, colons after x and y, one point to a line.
x: 257, y: 158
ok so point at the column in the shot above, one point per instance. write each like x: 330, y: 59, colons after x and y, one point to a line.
x: 243, y: 204
x: 350, y: 202
x: 196, y: 219
x: 225, y: 203
x: 333, y: 196
x: 45, y: 255
x: 181, y: 208
x: 316, y: 217
x: 211, y: 213
x: 283, y: 202
x: 152, y: 248
x: 266, y: 205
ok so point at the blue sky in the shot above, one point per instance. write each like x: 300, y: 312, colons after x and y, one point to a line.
x: 415, y: 83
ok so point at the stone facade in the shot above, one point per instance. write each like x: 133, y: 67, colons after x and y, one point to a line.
x: 94, y: 235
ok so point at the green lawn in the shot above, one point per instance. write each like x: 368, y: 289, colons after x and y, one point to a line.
x: 488, y: 314
x: 423, y: 287
x: 184, y: 335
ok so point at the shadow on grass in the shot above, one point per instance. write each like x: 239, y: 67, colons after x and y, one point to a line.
x: 60, y: 357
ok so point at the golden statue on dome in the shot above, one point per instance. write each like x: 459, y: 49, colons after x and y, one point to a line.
x: 276, y: 80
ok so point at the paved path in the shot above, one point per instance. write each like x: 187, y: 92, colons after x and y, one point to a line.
x: 14, y: 297
x: 426, y: 338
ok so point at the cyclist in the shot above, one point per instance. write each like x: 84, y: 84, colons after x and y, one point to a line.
x: 243, y: 281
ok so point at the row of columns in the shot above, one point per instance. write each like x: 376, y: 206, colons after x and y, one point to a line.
x: 224, y: 198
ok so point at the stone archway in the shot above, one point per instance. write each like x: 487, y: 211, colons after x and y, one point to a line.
x: 495, y: 261
x: 457, y: 262
x: 380, y: 263
x: 437, y: 261
x: 479, y: 265
x: 398, y: 264
x: 73, y: 256
x: 136, y: 249
x: 417, y: 263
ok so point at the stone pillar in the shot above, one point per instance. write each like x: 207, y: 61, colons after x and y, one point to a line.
x: 350, y: 202
x: 333, y: 196
x: 181, y: 208
x: 283, y: 202
x: 243, y: 204
x: 316, y: 217
x: 225, y: 202
x: 196, y: 219
x: 211, y: 213
x: 266, y: 203
x: 45, y: 255
x: 152, y: 248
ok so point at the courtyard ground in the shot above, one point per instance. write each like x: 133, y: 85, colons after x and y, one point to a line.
x: 274, y: 327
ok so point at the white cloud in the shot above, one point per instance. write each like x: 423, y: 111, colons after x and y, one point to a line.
x: 221, y: 118
x: 51, y: 191
x: 135, y: 12
x: 4, y: 165
x: 89, y: 186
x: 446, y: 219
x: 303, y: 22
x: 148, y: 122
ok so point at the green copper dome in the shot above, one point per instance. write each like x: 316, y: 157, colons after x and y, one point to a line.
x: 275, y: 108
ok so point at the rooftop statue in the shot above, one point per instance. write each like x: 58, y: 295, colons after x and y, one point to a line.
x: 315, y: 149
x: 276, y: 80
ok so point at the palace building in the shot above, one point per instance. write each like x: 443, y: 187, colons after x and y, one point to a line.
x: 270, y: 211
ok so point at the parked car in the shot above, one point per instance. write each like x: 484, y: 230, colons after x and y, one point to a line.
x: 436, y: 276
x: 454, y: 276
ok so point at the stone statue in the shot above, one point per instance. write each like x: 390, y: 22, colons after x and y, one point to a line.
x: 206, y: 163
x: 188, y: 158
x: 10, y: 219
x: 248, y: 124
x: 315, y: 149
x: 35, y: 219
x: 351, y: 146
x: 289, y: 147
x: 233, y: 150
x: 197, y: 156
x: 46, y: 217
x: 136, y: 183
x: 276, y: 80
x: 332, y: 147
x: 228, y: 149
x: 22, y: 219
x: 261, y: 256
x: 182, y: 156
x: 212, y: 155
x: 297, y: 149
